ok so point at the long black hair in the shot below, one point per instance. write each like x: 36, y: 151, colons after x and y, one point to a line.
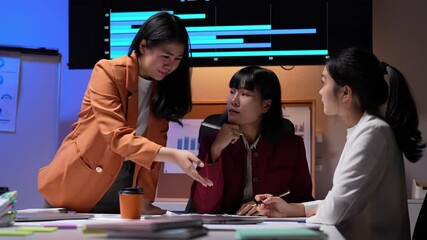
x: 364, y: 74
x: 266, y: 82
x: 173, y: 97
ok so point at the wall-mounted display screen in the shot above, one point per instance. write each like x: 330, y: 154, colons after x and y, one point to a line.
x: 226, y: 33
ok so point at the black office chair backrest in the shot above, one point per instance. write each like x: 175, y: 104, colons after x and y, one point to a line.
x: 420, y: 230
x: 288, y: 126
x: 214, y: 119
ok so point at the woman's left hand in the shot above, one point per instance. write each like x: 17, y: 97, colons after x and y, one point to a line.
x: 276, y: 207
x: 248, y: 209
x: 184, y: 159
x: 149, y: 209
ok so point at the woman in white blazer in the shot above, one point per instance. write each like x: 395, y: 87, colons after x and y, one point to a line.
x: 368, y: 196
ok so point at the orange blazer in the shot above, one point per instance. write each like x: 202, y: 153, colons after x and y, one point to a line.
x: 90, y: 157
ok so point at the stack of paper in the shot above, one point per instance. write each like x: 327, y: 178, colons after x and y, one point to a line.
x: 7, y: 203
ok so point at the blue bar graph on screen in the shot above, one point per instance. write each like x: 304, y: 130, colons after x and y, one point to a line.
x: 267, y: 38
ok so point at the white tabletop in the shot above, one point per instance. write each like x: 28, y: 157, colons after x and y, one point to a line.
x: 215, y: 231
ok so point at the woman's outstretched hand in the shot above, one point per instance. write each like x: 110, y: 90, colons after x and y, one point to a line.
x: 184, y: 159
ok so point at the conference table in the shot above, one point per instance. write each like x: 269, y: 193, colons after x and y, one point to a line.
x: 216, y: 231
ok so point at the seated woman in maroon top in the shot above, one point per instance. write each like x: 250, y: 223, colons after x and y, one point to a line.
x: 252, y: 153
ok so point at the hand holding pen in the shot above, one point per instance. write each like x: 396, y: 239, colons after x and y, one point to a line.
x: 251, y: 208
x: 272, y: 206
x: 257, y: 202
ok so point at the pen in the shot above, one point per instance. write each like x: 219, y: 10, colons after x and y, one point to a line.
x: 209, y: 125
x: 280, y: 196
x: 61, y: 226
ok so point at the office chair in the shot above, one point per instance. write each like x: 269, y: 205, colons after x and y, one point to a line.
x: 288, y: 126
x: 216, y: 119
x: 420, y: 230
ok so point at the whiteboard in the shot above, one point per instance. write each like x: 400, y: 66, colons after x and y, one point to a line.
x: 34, y: 140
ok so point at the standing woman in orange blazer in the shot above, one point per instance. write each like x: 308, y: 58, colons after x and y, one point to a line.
x: 120, y: 135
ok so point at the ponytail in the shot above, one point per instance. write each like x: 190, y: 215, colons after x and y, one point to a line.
x: 401, y: 114
x: 364, y: 74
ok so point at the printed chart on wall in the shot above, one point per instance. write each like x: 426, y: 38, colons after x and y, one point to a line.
x: 183, y: 137
x: 9, y: 83
x: 301, y: 118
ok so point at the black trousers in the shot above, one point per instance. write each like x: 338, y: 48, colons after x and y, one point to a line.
x: 109, y: 203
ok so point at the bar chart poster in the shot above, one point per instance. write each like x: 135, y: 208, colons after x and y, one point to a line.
x: 183, y: 137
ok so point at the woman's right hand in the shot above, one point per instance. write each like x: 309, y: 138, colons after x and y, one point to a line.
x: 229, y: 133
x: 184, y: 159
